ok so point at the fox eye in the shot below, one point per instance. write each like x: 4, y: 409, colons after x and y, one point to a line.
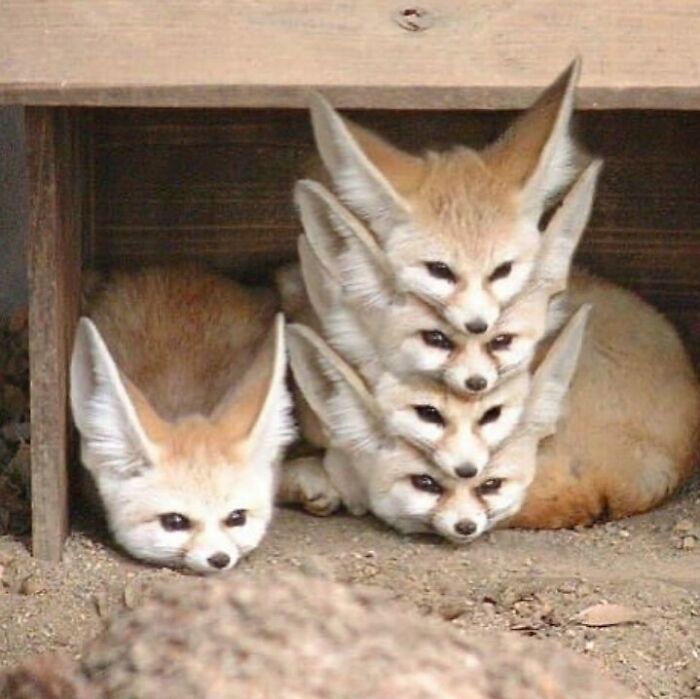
x: 237, y: 518
x: 436, y: 338
x: 427, y: 484
x: 501, y: 272
x: 491, y: 415
x: 174, y: 522
x: 492, y: 485
x: 500, y: 342
x: 440, y: 270
x: 428, y: 413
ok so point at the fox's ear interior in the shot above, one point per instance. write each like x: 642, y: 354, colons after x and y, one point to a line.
x: 330, y: 227
x: 560, y: 240
x: 554, y: 375
x: 322, y: 288
x: 331, y: 387
x: 255, y: 413
x: 112, y: 415
x: 537, y: 153
x: 371, y: 175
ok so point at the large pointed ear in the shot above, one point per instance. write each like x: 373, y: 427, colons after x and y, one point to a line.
x: 371, y: 175
x: 564, y: 231
x: 114, y: 418
x: 330, y: 226
x: 334, y: 391
x: 256, y: 412
x: 537, y: 154
x: 322, y: 286
x: 554, y: 375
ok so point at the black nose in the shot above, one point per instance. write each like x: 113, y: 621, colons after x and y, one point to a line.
x: 465, y: 527
x: 466, y: 471
x: 477, y: 326
x: 475, y: 383
x: 219, y: 560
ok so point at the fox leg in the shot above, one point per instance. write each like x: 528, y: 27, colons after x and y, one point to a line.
x: 305, y: 482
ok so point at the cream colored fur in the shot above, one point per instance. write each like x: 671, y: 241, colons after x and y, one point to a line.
x: 178, y: 391
x: 630, y: 436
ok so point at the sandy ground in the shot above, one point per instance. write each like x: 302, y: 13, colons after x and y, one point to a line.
x: 528, y: 582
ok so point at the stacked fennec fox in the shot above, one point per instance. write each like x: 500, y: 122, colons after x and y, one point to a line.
x: 440, y: 219
x: 178, y: 391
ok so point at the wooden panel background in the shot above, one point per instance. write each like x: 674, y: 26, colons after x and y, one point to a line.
x: 215, y: 185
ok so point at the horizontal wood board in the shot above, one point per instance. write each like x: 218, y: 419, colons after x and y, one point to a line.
x: 215, y: 185
x: 469, y: 54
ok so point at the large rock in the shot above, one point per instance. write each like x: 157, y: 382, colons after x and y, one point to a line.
x: 295, y: 637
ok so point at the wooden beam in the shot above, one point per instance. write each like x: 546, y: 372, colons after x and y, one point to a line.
x: 54, y: 283
x: 451, y: 54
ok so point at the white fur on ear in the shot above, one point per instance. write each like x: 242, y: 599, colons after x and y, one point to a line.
x: 327, y: 223
x: 551, y: 381
x: 563, y: 234
x: 273, y: 428
x: 359, y: 181
x: 322, y: 286
x: 334, y: 391
x: 112, y: 434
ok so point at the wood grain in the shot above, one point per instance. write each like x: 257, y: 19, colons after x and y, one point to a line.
x: 475, y: 53
x: 215, y: 185
x: 54, y: 281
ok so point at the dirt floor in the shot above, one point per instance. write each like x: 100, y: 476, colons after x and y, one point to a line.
x: 532, y: 583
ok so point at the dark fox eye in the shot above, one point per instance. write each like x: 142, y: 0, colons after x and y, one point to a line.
x: 427, y: 484
x: 491, y: 415
x: 501, y: 272
x: 440, y: 270
x: 492, y: 485
x: 174, y: 522
x: 436, y: 338
x: 428, y: 413
x: 237, y: 518
x: 500, y: 342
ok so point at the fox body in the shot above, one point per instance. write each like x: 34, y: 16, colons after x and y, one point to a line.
x: 373, y: 470
x: 177, y: 389
x: 459, y: 228
x: 630, y: 435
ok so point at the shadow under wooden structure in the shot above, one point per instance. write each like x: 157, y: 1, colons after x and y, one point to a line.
x: 168, y: 129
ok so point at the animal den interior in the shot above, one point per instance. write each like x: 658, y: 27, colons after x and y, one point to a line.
x: 200, y: 172
x: 216, y: 186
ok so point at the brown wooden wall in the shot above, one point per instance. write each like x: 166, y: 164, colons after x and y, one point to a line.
x: 215, y: 185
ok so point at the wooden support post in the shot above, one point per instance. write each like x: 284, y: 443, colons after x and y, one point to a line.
x: 53, y: 243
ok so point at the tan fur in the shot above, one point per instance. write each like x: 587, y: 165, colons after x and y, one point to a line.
x: 216, y: 326
x: 630, y: 437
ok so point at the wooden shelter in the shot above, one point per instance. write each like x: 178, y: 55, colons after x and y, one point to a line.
x: 170, y: 128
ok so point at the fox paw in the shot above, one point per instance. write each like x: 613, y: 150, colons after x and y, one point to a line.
x: 306, y: 483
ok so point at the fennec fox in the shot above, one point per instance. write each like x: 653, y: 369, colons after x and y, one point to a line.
x: 178, y: 391
x: 373, y: 470
x: 460, y: 227
x: 630, y: 435
x: 377, y: 327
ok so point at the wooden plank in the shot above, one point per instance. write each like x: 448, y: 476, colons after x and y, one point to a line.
x: 469, y: 54
x: 54, y: 283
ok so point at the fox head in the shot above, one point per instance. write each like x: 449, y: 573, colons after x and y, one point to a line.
x: 459, y: 228
x: 402, y: 486
x: 195, y: 493
x: 458, y: 435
